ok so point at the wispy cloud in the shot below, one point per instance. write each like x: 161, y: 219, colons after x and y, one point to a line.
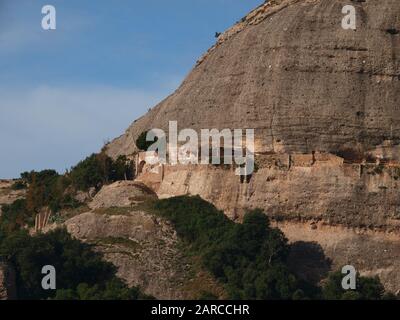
x: 54, y: 127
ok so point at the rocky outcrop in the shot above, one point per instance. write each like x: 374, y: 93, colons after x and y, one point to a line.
x: 145, y: 250
x: 290, y: 71
x: 303, y: 188
x: 144, y: 247
x: 121, y: 194
x: 310, y: 89
x: 350, y: 210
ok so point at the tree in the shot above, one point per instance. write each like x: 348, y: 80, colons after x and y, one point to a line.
x: 367, y: 288
x: 142, y: 143
x: 248, y: 258
x: 99, y: 169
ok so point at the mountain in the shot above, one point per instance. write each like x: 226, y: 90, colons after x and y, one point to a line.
x: 324, y: 103
x: 290, y: 71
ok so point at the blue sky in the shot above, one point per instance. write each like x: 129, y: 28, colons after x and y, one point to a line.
x: 63, y: 93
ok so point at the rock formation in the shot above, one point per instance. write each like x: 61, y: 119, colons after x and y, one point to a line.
x: 143, y: 247
x: 324, y: 103
x: 290, y: 71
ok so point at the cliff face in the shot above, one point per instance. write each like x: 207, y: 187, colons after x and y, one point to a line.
x: 312, y: 91
x: 352, y: 211
x: 290, y: 71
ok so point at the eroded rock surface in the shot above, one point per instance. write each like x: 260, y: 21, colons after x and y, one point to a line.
x: 290, y: 71
x: 146, y: 251
x: 308, y: 87
x: 121, y: 194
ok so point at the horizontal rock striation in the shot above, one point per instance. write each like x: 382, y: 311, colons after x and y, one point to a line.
x: 325, y: 106
x: 290, y: 71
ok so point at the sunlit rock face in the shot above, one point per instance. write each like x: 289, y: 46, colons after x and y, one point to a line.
x: 324, y: 103
x: 290, y: 71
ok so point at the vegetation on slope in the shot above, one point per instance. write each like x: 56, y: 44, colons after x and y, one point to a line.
x: 250, y: 259
x: 141, y: 142
x: 367, y: 289
x: 49, y: 189
x: 85, y: 275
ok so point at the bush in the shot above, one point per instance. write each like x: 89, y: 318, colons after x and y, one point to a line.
x: 112, y: 290
x: 367, y: 288
x: 15, y: 216
x: 99, y: 169
x: 18, y: 185
x: 47, y: 189
x: 142, y: 143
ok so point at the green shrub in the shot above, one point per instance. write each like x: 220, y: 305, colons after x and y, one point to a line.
x: 15, y: 216
x: 366, y: 288
x: 112, y: 290
x: 142, y: 143
x: 19, y: 185
x: 99, y: 169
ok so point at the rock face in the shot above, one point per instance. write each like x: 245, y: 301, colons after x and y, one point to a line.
x: 121, y: 194
x: 325, y: 103
x: 291, y: 72
x: 339, y: 194
x: 143, y: 248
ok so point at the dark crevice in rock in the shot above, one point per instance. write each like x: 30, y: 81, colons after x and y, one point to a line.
x: 393, y: 31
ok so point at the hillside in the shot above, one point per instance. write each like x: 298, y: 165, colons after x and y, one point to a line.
x: 324, y: 105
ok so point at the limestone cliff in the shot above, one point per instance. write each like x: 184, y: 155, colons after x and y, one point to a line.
x: 290, y: 71
x: 325, y: 105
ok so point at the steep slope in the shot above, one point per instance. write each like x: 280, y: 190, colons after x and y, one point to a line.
x: 143, y: 246
x: 290, y: 71
x: 325, y: 105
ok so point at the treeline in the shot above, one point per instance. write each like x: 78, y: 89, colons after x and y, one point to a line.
x: 250, y: 259
x: 49, y: 189
x: 85, y: 275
